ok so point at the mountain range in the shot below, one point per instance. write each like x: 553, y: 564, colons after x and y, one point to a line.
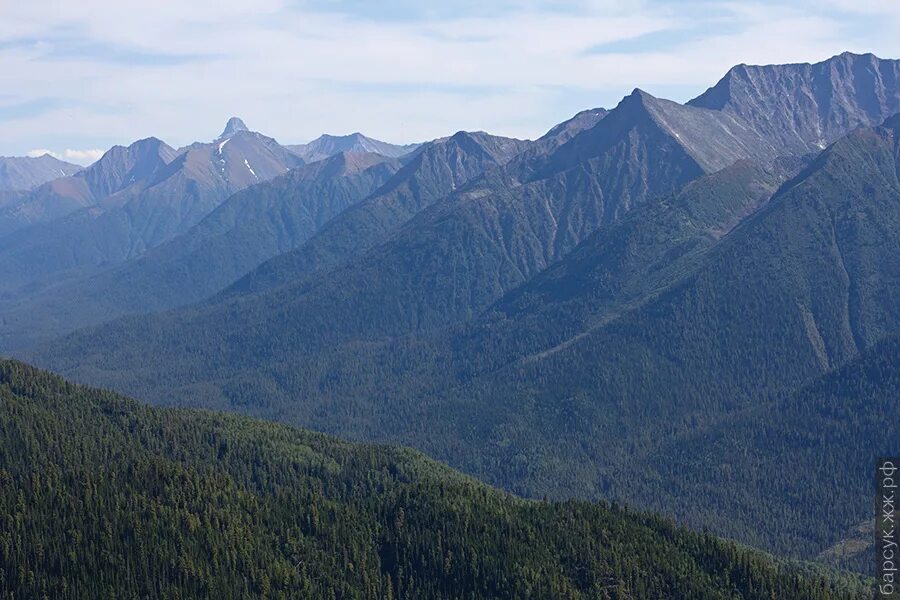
x: 617, y: 310
x: 130, y: 201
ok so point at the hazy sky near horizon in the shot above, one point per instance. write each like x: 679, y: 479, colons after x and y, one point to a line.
x: 78, y: 77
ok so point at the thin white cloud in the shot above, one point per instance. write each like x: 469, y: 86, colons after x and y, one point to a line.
x: 294, y: 72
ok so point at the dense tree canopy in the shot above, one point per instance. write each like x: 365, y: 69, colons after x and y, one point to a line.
x: 101, y: 497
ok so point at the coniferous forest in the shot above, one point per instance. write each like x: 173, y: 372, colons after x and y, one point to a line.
x: 102, y: 497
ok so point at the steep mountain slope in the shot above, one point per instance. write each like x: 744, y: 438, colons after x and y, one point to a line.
x: 648, y: 251
x: 280, y: 329
x: 560, y: 134
x: 251, y: 226
x: 645, y: 149
x: 329, y: 145
x: 159, y: 202
x: 102, y: 496
x: 796, y: 290
x: 433, y: 172
x: 8, y: 198
x: 257, y: 224
x: 236, y: 238
x: 563, y: 132
x: 21, y: 173
x: 837, y: 425
x: 118, y: 168
x: 804, y: 107
x: 698, y: 138
x: 651, y: 248
x: 463, y: 253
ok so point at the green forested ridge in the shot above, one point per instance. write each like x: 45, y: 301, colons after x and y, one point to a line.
x: 101, y: 497
x: 787, y: 447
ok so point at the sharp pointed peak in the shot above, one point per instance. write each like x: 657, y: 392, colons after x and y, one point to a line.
x: 464, y: 139
x: 233, y: 126
x: 460, y: 138
x: 641, y: 94
x: 637, y: 99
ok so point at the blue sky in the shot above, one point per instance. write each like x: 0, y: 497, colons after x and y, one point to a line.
x: 78, y: 77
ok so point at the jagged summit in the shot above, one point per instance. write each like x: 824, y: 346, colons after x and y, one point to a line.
x: 639, y: 93
x: 234, y: 125
x: 122, y: 166
x: 803, y: 107
x: 642, y: 102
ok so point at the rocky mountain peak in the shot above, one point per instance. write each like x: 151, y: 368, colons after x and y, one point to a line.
x: 233, y: 126
x: 803, y: 107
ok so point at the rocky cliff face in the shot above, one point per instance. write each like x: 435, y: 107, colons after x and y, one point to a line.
x: 804, y: 107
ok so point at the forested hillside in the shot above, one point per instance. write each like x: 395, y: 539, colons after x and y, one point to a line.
x: 103, y: 497
x: 787, y: 449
